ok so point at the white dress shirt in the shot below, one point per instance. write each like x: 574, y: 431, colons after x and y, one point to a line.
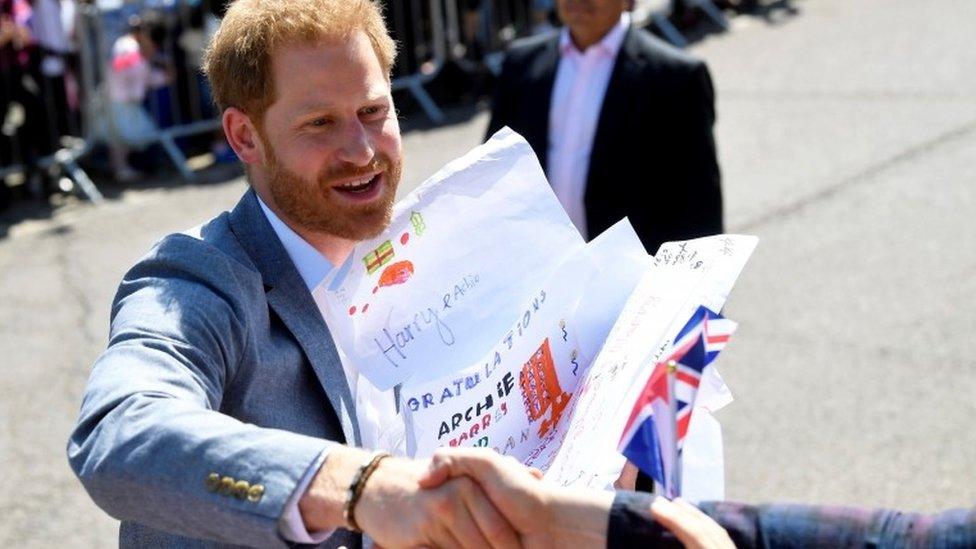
x: 380, y: 426
x: 577, y: 97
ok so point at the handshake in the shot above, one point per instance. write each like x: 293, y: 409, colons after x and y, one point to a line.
x: 476, y: 498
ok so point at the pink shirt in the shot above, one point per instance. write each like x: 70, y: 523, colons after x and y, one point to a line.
x: 577, y: 96
x: 128, y: 79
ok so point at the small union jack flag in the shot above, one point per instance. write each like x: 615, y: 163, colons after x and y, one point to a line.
x: 658, y: 424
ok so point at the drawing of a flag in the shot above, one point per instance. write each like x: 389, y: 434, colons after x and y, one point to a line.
x: 375, y: 259
x: 658, y: 424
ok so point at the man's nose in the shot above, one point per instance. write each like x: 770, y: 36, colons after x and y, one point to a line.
x: 357, y: 145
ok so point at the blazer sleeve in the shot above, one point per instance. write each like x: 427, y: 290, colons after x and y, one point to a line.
x: 504, y: 97
x: 150, y: 445
x: 781, y: 525
x: 700, y: 203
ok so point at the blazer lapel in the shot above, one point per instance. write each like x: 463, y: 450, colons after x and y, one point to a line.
x: 614, y: 116
x: 290, y: 299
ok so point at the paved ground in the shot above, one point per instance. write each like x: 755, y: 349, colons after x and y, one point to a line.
x: 847, y: 133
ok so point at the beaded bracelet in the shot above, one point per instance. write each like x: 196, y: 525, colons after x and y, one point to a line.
x: 356, y: 489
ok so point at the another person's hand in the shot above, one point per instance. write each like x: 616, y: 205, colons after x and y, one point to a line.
x: 6, y: 30
x: 628, y: 477
x: 10, y: 31
x: 693, y: 528
x: 544, y: 515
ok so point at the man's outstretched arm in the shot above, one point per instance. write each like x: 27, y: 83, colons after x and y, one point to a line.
x: 151, y: 445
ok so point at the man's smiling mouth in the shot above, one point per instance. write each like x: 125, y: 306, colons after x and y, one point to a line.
x: 359, y: 187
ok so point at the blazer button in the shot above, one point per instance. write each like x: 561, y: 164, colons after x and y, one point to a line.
x: 212, y: 482
x: 240, y: 489
x: 226, y: 486
x: 255, y: 492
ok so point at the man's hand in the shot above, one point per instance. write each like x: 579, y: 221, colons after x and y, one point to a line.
x: 694, y: 529
x: 545, y: 516
x: 396, y: 512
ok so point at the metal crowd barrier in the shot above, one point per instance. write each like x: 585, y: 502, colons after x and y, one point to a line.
x: 430, y: 33
x: 656, y: 13
x: 425, y: 53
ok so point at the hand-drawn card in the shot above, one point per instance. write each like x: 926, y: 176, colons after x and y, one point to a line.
x: 512, y: 399
x: 515, y: 398
x: 684, y: 275
x: 463, y: 253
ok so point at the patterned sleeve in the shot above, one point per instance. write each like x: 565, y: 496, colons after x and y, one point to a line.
x: 780, y: 525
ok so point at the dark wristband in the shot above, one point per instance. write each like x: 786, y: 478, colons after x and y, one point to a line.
x: 356, y: 489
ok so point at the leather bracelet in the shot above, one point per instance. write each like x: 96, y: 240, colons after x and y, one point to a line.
x: 356, y: 489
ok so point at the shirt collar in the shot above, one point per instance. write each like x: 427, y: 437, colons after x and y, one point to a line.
x: 312, y: 265
x: 609, y: 44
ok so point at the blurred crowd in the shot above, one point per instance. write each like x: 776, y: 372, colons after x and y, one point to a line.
x: 105, y: 78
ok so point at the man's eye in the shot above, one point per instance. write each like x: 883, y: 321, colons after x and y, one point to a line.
x: 318, y: 123
x: 372, y: 112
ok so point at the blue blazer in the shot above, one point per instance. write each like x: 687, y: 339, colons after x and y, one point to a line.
x: 220, y: 386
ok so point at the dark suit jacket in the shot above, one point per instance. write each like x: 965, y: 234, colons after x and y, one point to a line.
x: 653, y: 157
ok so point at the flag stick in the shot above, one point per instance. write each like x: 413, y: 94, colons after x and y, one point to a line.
x: 674, y: 475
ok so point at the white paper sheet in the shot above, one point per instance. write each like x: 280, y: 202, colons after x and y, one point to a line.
x: 463, y: 253
x: 506, y: 330
x: 684, y: 275
x: 513, y: 398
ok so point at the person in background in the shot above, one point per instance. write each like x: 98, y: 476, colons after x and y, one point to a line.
x: 54, y: 47
x: 204, y: 19
x: 615, y: 114
x: 153, y: 38
x: 24, y: 135
x: 14, y: 38
x: 129, y: 78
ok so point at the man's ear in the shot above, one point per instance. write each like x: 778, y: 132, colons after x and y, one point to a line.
x: 242, y: 136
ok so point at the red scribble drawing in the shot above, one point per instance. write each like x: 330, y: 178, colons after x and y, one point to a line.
x: 404, y: 238
x: 352, y: 310
x: 397, y: 273
x: 541, y: 391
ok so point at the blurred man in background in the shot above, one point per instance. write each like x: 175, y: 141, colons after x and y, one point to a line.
x: 614, y: 113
